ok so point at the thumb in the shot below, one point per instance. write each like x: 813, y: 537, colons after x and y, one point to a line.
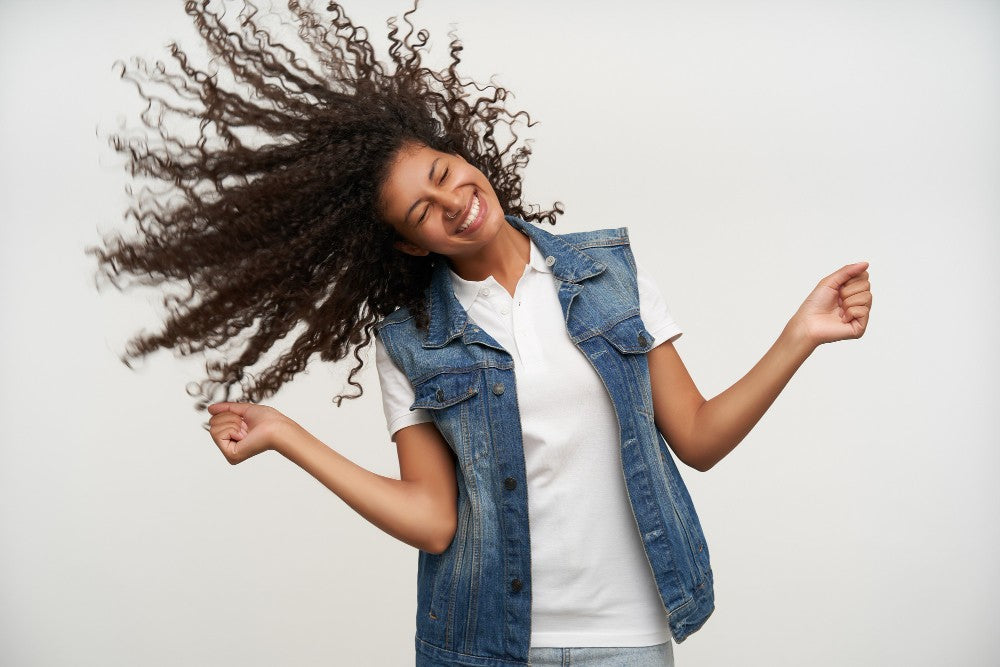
x: 237, y: 408
x: 843, y: 274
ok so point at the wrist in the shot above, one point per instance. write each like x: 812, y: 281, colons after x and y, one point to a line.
x: 285, y: 436
x: 796, y: 336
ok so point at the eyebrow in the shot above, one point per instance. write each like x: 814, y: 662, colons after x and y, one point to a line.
x: 430, y: 177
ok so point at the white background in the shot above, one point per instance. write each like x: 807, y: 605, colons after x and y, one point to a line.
x: 750, y: 147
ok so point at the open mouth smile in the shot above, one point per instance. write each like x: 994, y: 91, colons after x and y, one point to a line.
x: 473, y: 217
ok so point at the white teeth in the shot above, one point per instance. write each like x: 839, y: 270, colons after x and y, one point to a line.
x: 473, y: 212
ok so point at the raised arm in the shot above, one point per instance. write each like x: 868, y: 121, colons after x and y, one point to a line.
x: 702, y: 432
x: 419, y: 509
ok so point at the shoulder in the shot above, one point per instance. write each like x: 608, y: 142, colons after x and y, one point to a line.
x: 597, y: 238
x: 610, y: 247
x: 400, y: 316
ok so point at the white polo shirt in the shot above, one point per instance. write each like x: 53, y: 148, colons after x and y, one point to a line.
x: 591, y: 584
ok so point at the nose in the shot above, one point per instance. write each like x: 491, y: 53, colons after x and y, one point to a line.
x: 451, y: 203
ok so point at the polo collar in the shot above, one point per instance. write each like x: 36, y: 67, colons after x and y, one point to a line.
x: 549, y: 252
x: 468, y: 290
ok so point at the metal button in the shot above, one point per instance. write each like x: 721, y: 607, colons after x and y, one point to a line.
x: 550, y: 260
x: 510, y: 483
x: 498, y: 388
x: 516, y: 585
x: 642, y: 339
x: 439, y: 395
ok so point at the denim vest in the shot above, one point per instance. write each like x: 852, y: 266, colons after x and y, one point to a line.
x: 474, y: 599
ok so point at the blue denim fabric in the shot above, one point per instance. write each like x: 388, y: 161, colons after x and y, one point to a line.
x: 474, y: 599
x: 661, y: 655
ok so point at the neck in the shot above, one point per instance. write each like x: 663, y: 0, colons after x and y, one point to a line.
x: 503, y: 258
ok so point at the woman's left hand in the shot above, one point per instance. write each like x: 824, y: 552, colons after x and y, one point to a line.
x: 838, y: 308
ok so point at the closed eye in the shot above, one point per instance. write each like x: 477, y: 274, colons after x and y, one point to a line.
x: 444, y: 177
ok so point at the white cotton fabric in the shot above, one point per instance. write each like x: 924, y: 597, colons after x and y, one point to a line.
x: 591, y: 584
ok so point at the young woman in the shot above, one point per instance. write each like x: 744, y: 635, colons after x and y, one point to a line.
x: 529, y: 379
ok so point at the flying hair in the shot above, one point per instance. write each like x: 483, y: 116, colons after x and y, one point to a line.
x: 266, y: 216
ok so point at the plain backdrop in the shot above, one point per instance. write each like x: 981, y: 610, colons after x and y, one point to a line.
x: 751, y: 148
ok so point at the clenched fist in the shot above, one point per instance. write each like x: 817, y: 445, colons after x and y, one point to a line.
x: 838, y: 307
x: 242, y: 430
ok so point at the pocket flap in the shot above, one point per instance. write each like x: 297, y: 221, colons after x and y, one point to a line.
x: 445, y: 389
x: 630, y: 336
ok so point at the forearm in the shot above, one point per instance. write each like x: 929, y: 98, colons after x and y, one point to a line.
x: 722, y: 422
x: 398, y: 507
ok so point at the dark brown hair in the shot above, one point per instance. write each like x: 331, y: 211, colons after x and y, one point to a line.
x: 268, y: 216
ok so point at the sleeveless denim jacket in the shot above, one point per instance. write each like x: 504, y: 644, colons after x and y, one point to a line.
x: 474, y: 599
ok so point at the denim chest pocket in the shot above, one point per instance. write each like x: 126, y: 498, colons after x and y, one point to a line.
x: 629, y: 336
x: 454, y: 402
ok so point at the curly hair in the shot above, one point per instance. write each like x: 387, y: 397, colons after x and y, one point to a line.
x: 283, y: 226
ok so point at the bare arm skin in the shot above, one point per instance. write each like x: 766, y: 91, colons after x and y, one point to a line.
x: 419, y: 509
x: 702, y: 432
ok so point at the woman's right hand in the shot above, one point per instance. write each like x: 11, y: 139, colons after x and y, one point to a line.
x: 242, y: 430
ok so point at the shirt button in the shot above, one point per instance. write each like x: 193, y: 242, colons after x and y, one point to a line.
x: 498, y: 388
x: 505, y: 310
x: 516, y: 585
x: 485, y: 291
x: 550, y: 260
x: 510, y: 483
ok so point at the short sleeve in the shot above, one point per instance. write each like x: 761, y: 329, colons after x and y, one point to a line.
x: 397, y: 394
x: 653, y: 310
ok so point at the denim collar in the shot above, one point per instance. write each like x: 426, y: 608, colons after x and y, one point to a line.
x: 448, y: 319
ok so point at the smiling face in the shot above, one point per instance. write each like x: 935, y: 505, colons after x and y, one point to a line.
x: 439, y: 203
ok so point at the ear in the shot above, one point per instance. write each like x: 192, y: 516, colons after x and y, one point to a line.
x: 410, y: 248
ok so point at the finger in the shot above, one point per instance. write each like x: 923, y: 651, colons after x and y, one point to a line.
x: 226, y: 432
x: 227, y: 439
x: 226, y: 420
x: 852, y: 288
x: 861, y: 276
x: 856, y: 313
x: 228, y: 446
x: 859, y: 299
x: 843, y: 274
x: 230, y: 406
